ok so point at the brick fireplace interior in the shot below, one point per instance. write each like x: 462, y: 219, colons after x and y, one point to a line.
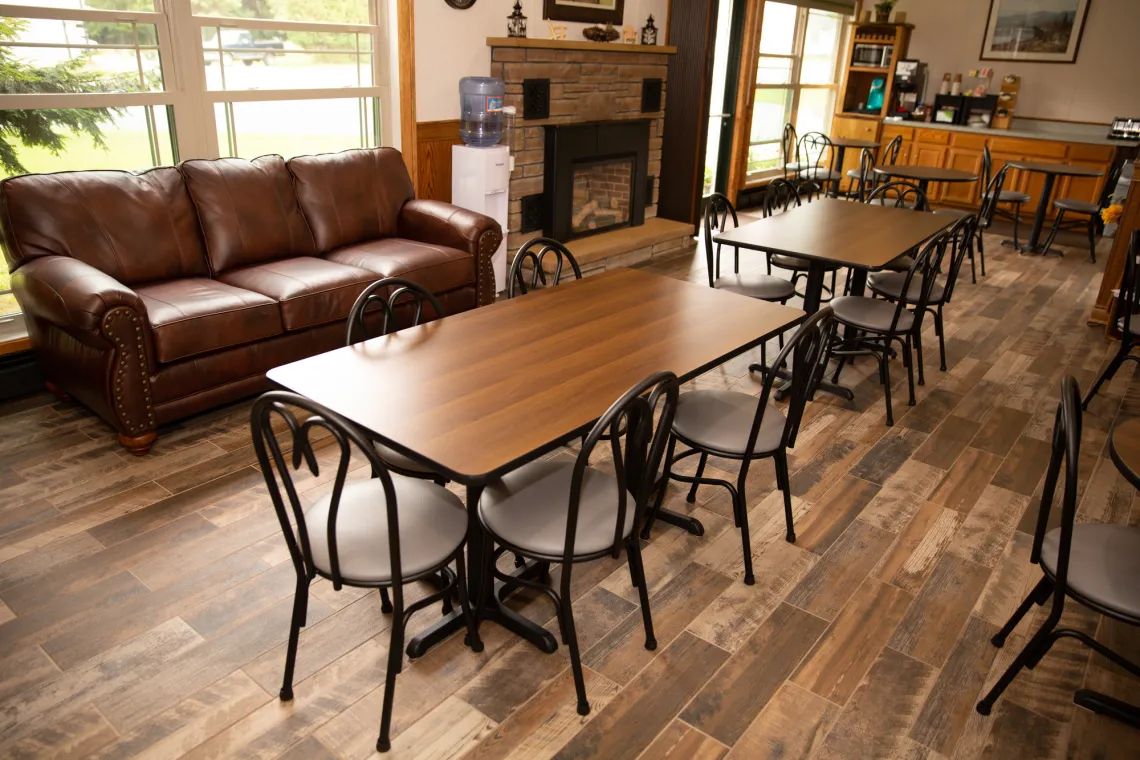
x: 601, y: 199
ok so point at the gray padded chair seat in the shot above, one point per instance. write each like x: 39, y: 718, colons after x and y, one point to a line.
x: 1104, y: 564
x: 722, y: 420
x: 869, y: 314
x: 396, y: 459
x: 892, y: 203
x: 855, y: 174
x: 957, y: 213
x: 891, y: 284
x: 795, y: 166
x: 529, y: 508
x: 796, y: 263
x: 1011, y: 196
x: 1081, y: 207
x: 819, y: 174
x: 433, y: 524
x: 901, y: 263
x: 762, y: 286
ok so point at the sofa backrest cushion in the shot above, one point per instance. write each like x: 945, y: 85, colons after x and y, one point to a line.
x: 134, y: 227
x: 351, y: 196
x: 248, y: 211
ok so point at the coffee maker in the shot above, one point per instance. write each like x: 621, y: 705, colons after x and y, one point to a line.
x: 910, y: 81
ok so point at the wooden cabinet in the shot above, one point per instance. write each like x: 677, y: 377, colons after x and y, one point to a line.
x: 852, y: 128
x: 967, y: 160
x: 890, y: 132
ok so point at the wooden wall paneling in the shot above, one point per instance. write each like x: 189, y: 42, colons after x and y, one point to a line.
x: 433, y: 158
x: 406, y: 40
x: 692, y: 29
x: 745, y: 94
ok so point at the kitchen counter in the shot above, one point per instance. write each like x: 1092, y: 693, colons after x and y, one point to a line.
x: 1089, y: 134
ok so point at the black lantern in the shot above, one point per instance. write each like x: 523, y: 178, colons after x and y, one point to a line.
x: 516, y: 22
x: 649, y: 33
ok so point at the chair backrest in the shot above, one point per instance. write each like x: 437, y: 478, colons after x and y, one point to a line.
x: 789, y: 145
x: 961, y: 242
x: 866, y: 173
x: 780, y: 195
x: 277, y: 463
x: 891, y: 152
x: 900, y: 195
x: 924, y: 271
x: 383, y: 295
x: 1066, y: 451
x: 1129, y: 288
x: 992, y: 189
x: 528, y: 253
x: 987, y: 166
x: 718, y: 210
x: 636, y: 464
x: 812, y: 338
x: 815, y: 149
x: 1110, y: 181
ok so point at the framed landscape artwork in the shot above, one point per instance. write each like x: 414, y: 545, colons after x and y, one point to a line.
x: 586, y: 11
x: 1042, y: 31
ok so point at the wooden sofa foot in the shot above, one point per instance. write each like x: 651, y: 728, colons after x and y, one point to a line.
x: 138, y: 445
x: 55, y: 390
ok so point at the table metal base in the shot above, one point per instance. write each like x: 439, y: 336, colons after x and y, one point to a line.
x: 1102, y: 704
x: 691, y: 524
x: 1026, y: 250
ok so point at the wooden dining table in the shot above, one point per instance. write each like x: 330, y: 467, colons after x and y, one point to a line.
x: 480, y: 393
x: 863, y: 237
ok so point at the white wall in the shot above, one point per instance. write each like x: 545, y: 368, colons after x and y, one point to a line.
x: 1100, y: 85
x: 452, y: 44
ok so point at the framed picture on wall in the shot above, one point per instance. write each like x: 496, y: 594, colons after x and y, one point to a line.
x: 586, y: 11
x: 1040, y: 31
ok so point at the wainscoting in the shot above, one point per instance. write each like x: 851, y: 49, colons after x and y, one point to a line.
x: 433, y: 157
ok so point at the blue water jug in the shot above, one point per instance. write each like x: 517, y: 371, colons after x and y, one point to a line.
x: 481, y: 111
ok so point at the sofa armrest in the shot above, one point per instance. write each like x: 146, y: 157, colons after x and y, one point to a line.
x: 441, y: 223
x: 73, y: 296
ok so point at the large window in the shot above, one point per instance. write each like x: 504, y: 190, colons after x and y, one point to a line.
x: 130, y: 84
x: 796, y: 76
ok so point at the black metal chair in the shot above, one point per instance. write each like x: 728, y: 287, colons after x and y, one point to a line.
x: 737, y: 425
x: 1015, y: 198
x: 888, y: 285
x: 516, y: 278
x: 382, y: 298
x: 891, y: 152
x: 818, y: 154
x: 899, y: 194
x: 863, y: 178
x: 1094, y: 225
x: 570, y: 512
x: 789, y: 151
x: 779, y: 196
x: 878, y: 324
x: 985, y: 217
x: 1091, y: 563
x: 1125, y: 311
x: 382, y: 532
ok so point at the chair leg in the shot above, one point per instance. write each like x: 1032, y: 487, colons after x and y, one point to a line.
x: 472, y: 639
x: 1108, y: 374
x: 385, y: 602
x: 395, y: 663
x: 908, y: 362
x: 973, y: 271
x: 1092, y: 239
x: 300, y: 612
x: 783, y: 480
x: 885, y: 377
x: 940, y: 328
x: 1016, y: 222
x: 633, y: 554
x: 918, y: 351
x: 1033, y: 651
x: 572, y: 643
x: 1056, y: 227
x: 692, y: 497
x: 981, y: 253
x: 745, y: 535
x: 446, y: 597
x: 1038, y: 595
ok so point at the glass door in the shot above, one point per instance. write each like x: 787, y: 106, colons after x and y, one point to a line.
x: 722, y: 99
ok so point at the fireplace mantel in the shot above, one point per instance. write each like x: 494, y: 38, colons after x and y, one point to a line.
x: 599, y: 47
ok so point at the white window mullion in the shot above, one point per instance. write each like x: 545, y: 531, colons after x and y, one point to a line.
x: 193, y: 112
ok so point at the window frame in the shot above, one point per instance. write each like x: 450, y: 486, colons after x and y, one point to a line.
x: 191, y: 104
x: 753, y: 179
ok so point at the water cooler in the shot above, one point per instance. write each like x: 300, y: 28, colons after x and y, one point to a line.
x: 479, y: 181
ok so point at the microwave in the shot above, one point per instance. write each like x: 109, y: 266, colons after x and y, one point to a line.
x: 874, y: 56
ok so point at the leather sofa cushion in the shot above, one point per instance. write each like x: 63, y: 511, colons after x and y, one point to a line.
x: 134, y: 227
x: 351, y: 196
x: 309, y: 291
x: 196, y: 315
x: 436, y: 267
x: 248, y: 211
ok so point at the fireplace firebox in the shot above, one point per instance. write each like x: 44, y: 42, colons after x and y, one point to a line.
x: 595, y: 177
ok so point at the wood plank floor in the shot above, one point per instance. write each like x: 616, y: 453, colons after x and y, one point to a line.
x: 144, y: 602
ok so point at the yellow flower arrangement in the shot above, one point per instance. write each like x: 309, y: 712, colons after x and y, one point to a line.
x: 1111, y: 213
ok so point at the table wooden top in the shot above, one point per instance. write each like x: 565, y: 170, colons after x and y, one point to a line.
x: 480, y: 392
x: 852, y: 142
x: 926, y: 173
x: 861, y: 235
x: 1051, y: 168
x: 1124, y: 446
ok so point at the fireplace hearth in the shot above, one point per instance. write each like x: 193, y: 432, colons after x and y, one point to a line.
x: 595, y: 177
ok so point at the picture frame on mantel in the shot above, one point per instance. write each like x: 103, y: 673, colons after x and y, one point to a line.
x: 1036, y: 31
x: 584, y: 11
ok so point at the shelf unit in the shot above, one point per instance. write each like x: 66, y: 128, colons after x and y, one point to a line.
x: 857, y: 79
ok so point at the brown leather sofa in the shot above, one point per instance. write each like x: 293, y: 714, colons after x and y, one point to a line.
x: 153, y: 296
